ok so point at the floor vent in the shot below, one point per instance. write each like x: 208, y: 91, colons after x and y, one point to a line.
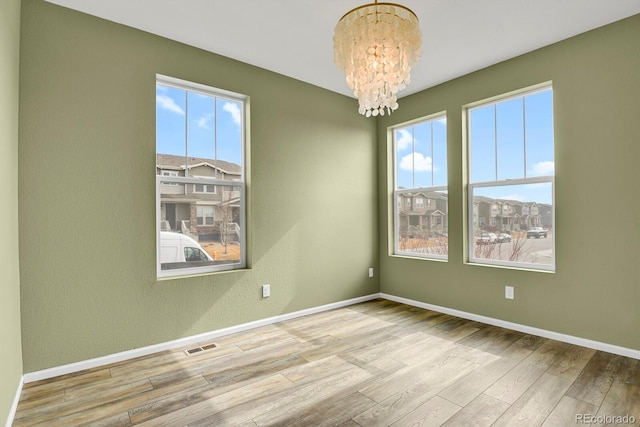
x: 197, y: 350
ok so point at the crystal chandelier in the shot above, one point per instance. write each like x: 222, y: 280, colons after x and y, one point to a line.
x: 376, y: 45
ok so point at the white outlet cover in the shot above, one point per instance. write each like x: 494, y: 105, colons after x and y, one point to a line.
x: 509, y: 292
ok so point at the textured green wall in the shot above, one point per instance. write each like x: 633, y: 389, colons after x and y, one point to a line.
x: 87, y: 204
x: 595, y: 291
x: 317, y: 201
x: 11, y: 349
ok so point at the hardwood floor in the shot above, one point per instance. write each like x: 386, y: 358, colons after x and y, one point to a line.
x: 378, y: 363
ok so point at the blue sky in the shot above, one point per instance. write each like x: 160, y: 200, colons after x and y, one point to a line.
x: 513, y: 139
x: 204, y: 117
x: 422, y: 154
x: 516, y: 119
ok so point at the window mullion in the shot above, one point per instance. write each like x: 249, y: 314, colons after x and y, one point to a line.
x: 432, y: 154
x: 495, y: 138
x: 186, y: 133
x: 215, y: 133
x: 413, y: 157
x: 524, y: 134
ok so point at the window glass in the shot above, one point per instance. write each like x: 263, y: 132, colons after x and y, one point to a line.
x: 200, y: 168
x: 511, y: 170
x: 420, y: 189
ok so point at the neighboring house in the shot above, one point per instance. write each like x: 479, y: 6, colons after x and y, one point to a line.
x: 201, y: 211
x: 423, y: 213
x: 545, y: 216
x: 509, y: 215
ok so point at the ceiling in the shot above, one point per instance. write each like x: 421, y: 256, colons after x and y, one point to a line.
x: 295, y: 37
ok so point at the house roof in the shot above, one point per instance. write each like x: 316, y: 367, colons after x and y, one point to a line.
x: 427, y: 194
x: 170, y: 161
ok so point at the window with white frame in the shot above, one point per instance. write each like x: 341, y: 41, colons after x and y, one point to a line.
x: 205, y: 215
x: 420, y: 173
x: 200, y: 168
x: 204, y: 188
x: 511, y: 181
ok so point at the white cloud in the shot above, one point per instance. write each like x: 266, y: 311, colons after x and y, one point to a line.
x: 417, y: 162
x: 543, y: 168
x: 169, y: 104
x: 234, y: 110
x: 403, y: 139
x: 203, y: 121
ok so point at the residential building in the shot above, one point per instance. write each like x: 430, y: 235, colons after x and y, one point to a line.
x: 423, y: 214
x: 509, y: 215
x: 201, y: 211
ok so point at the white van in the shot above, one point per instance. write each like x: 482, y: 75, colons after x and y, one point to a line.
x: 176, y: 247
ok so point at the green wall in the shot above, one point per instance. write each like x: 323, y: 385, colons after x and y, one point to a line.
x: 11, y: 349
x: 319, y: 195
x: 596, y: 288
x: 87, y: 203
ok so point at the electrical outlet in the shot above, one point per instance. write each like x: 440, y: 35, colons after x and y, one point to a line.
x: 509, y: 292
x: 371, y: 272
x: 266, y: 291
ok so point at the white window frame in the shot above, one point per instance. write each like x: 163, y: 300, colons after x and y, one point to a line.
x: 169, y: 173
x: 472, y: 186
x: 239, y: 183
x: 204, y: 186
x: 397, y: 193
x: 204, y: 215
x: 215, y: 188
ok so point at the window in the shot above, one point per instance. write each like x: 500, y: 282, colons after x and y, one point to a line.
x: 511, y: 180
x: 204, y: 188
x: 205, y: 215
x: 200, y: 164
x: 420, y: 173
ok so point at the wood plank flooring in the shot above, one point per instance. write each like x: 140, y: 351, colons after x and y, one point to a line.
x: 378, y: 363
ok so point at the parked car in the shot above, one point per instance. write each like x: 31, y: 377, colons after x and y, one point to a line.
x: 176, y: 247
x: 536, y: 232
x: 503, y: 238
x: 486, y: 238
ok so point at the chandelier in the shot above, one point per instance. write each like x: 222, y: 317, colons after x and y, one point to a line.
x: 376, y: 45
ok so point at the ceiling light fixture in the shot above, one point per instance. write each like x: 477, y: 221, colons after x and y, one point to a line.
x: 376, y: 45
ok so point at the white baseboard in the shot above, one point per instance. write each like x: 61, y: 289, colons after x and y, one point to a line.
x: 182, y: 342
x: 144, y: 351
x: 596, y: 345
x: 14, y: 406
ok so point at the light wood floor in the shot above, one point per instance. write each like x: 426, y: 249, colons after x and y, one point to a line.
x: 373, y: 364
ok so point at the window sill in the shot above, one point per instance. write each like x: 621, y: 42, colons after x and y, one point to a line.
x: 418, y: 258
x: 511, y: 267
x: 201, y: 274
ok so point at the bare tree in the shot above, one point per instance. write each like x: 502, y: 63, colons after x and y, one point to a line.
x: 519, y: 248
x: 227, y: 212
x: 437, y: 245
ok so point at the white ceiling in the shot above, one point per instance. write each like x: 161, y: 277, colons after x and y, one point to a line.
x: 295, y: 37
